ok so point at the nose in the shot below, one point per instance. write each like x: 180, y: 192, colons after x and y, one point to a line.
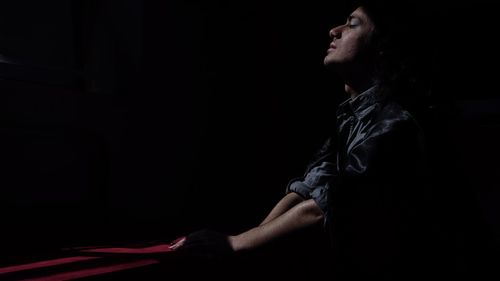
x: 336, y: 32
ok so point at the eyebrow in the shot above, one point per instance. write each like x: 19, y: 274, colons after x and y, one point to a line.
x: 353, y: 17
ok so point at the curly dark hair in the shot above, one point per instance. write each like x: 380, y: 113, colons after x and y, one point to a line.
x: 404, y: 49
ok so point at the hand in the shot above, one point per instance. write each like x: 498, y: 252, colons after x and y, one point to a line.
x: 177, y: 243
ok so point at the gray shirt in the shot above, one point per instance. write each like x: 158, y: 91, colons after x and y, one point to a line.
x: 315, y: 184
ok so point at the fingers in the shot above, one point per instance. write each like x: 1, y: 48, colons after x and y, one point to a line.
x: 176, y: 244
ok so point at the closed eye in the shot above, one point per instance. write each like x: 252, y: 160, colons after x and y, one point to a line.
x: 353, y: 21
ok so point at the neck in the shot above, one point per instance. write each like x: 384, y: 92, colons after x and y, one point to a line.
x: 355, y: 89
x: 357, y: 80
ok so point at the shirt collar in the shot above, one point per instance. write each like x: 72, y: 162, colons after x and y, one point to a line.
x: 360, y: 105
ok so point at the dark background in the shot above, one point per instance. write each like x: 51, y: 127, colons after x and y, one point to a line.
x: 129, y: 120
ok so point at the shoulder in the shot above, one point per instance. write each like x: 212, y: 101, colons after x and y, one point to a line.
x: 392, y: 117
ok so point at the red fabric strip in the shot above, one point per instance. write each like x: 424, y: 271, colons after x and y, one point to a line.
x: 93, y: 271
x: 46, y: 263
x: 163, y: 248
x: 156, y: 249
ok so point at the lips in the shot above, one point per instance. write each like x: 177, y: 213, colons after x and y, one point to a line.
x: 332, y: 47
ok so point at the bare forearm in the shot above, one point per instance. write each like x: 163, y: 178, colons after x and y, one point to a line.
x: 286, y: 203
x: 302, y: 215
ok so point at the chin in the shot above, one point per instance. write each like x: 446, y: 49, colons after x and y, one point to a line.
x: 329, y: 62
x: 332, y: 59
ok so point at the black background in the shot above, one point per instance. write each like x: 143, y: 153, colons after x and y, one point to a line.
x: 132, y: 120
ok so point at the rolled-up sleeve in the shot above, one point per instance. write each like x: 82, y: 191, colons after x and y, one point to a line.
x: 315, y: 184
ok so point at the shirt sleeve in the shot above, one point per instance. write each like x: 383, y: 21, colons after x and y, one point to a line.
x: 379, y: 197
x: 387, y: 154
x: 315, y: 184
